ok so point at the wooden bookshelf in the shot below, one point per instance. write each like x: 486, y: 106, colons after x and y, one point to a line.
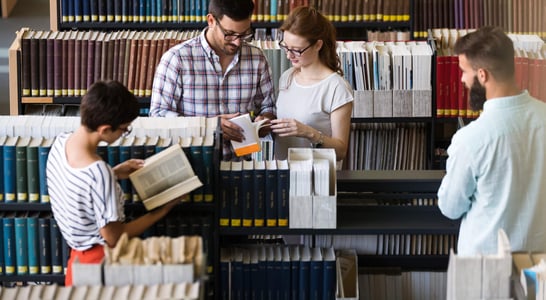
x: 6, y: 7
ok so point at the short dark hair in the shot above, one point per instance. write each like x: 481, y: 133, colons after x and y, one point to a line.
x: 238, y: 10
x: 488, y: 48
x: 108, y: 103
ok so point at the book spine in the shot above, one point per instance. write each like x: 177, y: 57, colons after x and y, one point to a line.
x: 44, y: 235
x: 56, y: 247
x: 33, y: 175
x: 57, y: 67
x: 196, y: 158
x: 283, y: 185
x: 21, y: 173
x: 235, y: 211
x: 247, y: 196
x: 21, y: 245
x: 125, y: 154
x: 259, y: 201
x: 10, y: 171
x: 271, y: 197
x: 208, y: 177
x: 43, y: 153
x: 32, y: 242
x: 9, y: 245
x: 224, y: 193
x: 50, y: 67
x: 83, y: 67
x: 34, y: 68
x: 25, y: 66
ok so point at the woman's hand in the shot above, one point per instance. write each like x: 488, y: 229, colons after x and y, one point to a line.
x: 127, y: 167
x: 290, y: 127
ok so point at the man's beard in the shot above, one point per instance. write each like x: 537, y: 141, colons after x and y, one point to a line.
x: 477, y: 95
x: 227, y: 49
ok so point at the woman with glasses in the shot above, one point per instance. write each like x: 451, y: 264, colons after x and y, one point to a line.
x: 85, y: 196
x: 216, y: 73
x: 314, y: 103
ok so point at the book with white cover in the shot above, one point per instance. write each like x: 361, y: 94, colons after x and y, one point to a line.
x: 164, y: 177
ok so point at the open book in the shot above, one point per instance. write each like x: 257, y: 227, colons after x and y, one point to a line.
x: 251, y: 141
x: 164, y: 177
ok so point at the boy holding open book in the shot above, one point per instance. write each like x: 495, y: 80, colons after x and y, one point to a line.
x: 86, y: 198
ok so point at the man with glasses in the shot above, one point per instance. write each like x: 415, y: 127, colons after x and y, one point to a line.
x: 216, y: 73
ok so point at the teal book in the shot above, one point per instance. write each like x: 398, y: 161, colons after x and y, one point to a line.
x: 196, y: 159
x: 247, y: 193
x: 124, y: 155
x: 10, y: 251
x: 2, y: 141
x: 235, y: 198
x: 208, y: 168
x: 1, y: 246
x: 21, y: 243
x: 271, y: 193
x: 65, y: 254
x: 10, y: 170
x: 163, y: 144
x: 224, y: 192
x: 32, y: 243
x: 283, y: 186
x: 43, y: 153
x: 102, y: 150
x: 44, y: 243
x: 33, y: 173
x: 113, y: 152
x: 137, y: 151
x: 21, y: 169
x: 259, y: 193
x: 56, y: 247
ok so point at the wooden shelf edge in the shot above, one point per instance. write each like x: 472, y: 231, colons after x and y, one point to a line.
x: 37, y: 100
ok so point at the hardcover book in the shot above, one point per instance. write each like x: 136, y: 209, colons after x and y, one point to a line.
x: 164, y: 177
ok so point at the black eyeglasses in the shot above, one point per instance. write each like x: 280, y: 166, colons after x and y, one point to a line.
x: 296, y: 53
x: 127, y: 130
x: 246, y: 37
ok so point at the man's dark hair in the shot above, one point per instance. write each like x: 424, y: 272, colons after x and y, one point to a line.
x: 238, y: 10
x: 488, y: 48
x: 108, y: 103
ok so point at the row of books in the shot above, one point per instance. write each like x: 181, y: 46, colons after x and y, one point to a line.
x: 387, y: 146
x: 452, y: 95
x: 278, y: 272
x: 32, y: 244
x: 516, y: 16
x: 391, y: 244
x: 254, y: 193
x: 66, y: 63
x: 189, y: 291
x: 160, y: 11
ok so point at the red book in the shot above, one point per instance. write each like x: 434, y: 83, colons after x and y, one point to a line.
x: 143, y: 62
x: 25, y: 62
x: 98, y: 56
x: 42, y: 61
x: 50, y: 63
x: 121, y: 60
x: 83, y: 63
x: 90, y: 76
x: 152, y: 63
x: 34, y: 64
x: 58, y: 64
x: 132, y: 62
x: 77, y: 63
x: 71, y: 48
x: 115, y: 56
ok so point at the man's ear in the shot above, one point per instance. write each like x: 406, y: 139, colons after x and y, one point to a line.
x: 483, y: 75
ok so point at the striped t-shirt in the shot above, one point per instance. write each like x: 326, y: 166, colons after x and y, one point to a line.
x: 83, y: 200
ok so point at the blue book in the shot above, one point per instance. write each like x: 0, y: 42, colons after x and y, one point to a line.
x: 10, y: 183
x: 224, y: 193
x: 273, y: 10
x: 153, y: 10
x: 137, y: 151
x: 2, y: 246
x: 247, y: 193
x: 162, y: 144
x: 235, y: 206
x: 225, y: 266
x: 237, y: 274
x: 102, y: 150
x: 174, y: 11
x: 66, y: 6
x: 10, y: 260
x: 2, y: 141
x: 43, y: 153
x: 21, y: 244
x: 271, y: 287
x: 247, y: 283
x: 305, y: 262
x: 102, y: 10
x: 283, y: 186
x: 259, y: 193
x: 329, y: 274
x: 135, y: 10
x: 255, y: 276
x: 316, y: 272
x: 271, y: 193
x: 44, y: 244
x: 94, y: 10
x: 65, y: 251
x: 285, y: 273
x: 113, y: 153
x: 150, y: 146
x: 208, y: 168
x: 33, y: 242
x: 86, y: 10
x: 118, y: 10
x: 56, y: 247
x: 78, y: 10
x: 294, y: 272
x: 187, y: 10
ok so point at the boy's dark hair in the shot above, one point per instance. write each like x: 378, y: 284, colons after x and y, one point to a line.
x: 108, y: 103
x: 488, y: 48
x: 238, y: 10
